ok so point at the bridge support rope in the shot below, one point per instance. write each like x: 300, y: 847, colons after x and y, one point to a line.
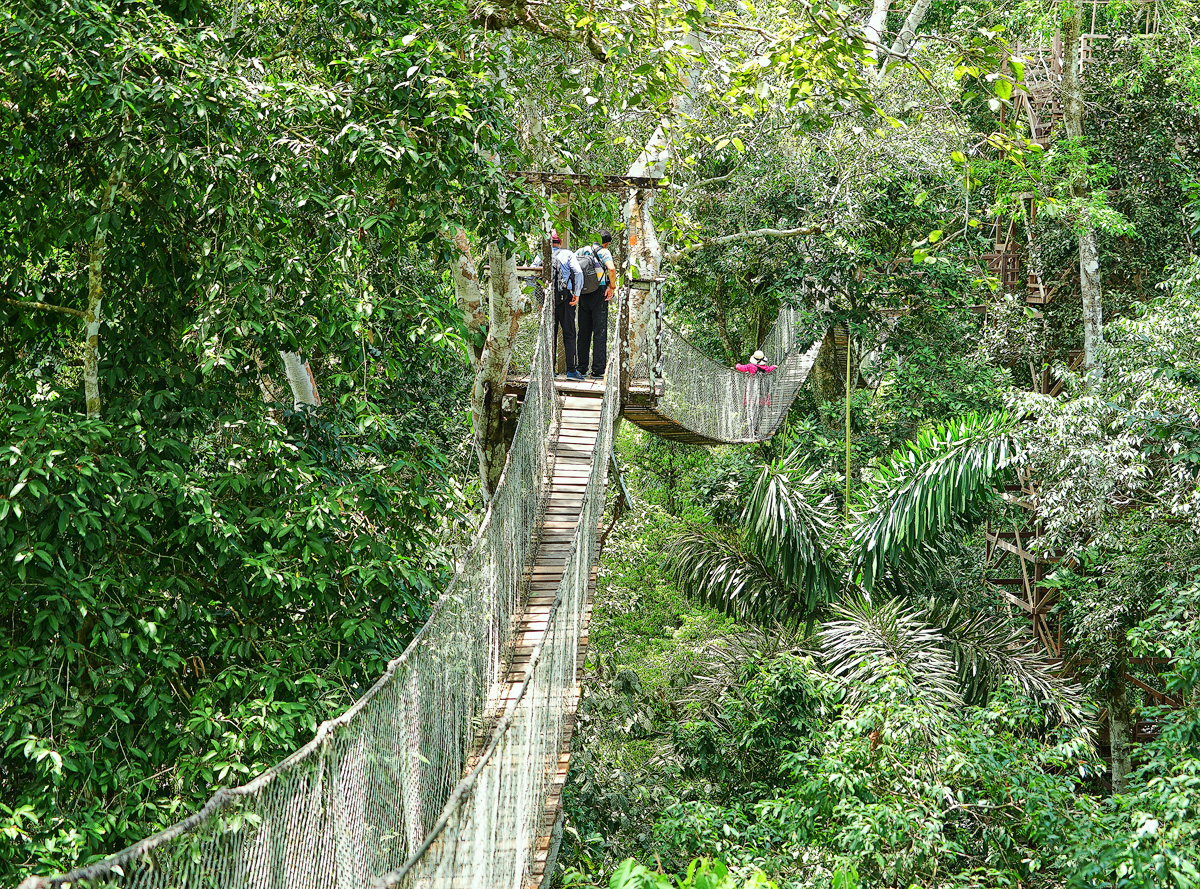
x: 686, y: 396
x: 379, y: 796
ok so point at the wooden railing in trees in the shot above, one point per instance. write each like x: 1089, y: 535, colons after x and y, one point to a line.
x: 1015, y: 562
x: 1036, y: 102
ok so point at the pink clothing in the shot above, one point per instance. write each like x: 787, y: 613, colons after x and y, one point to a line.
x: 755, y: 368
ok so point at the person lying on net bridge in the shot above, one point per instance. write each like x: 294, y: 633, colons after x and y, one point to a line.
x: 757, y: 365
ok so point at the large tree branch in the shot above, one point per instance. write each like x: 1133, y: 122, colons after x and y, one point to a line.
x: 512, y: 15
x: 908, y: 31
x: 45, y: 307
x: 744, y: 236
x: 704, y: 183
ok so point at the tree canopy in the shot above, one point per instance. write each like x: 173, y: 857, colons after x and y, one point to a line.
x: 258, y: 315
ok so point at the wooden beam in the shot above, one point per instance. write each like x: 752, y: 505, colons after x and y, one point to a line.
x: 1017, y: 600
x: 1016, y: 551
x: 567, y: 182
x: 1159, y: 696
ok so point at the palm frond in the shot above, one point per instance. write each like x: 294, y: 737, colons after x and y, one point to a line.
x: 989, y: 650
x: 927, y: 487
x: 874, y: 635
x: 723, y: 573
x: 720, y: 665
x: 786, y: 528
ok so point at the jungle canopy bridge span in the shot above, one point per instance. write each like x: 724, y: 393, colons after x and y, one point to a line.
x: 448, y: 771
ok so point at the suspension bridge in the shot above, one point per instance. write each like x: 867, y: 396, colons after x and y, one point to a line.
x: 448, y: 771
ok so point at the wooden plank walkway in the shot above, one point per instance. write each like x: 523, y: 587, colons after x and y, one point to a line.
x: 642, y: 410
x: 579, y: 426
x: 572, y: 463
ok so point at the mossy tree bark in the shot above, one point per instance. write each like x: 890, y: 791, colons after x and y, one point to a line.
x: 97, y: 250
x: 1089, y: 253
x: 487, y: 393
x: 1120, y: 730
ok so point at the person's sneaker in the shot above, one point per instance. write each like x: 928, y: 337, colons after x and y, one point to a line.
x: 595, y: 376
x: 574, y: 375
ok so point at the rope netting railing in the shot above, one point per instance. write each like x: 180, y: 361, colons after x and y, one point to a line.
x: 359, y: 800
x: 524, y: 346
x: 485, y: 836
x: 528, y: 326
x: 714, y: 400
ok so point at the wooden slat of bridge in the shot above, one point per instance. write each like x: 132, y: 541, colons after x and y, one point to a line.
x: 579, y: 426
x: 640, y: 408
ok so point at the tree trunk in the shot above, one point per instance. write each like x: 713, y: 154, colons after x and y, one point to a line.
x: 876, y: 24
x: 1093, y: 309
x: 908, y: 32
x: 644, y: 250
x: 562, y: 219
x: 1072, y: 94
x: 91, y: 345
x: 1120, y: 732
x: 487, y: 394
x: 96, y: 252
x: 492, y: 354
x: 825, y: 377
x: 300, y: 380
x: 467, y: 293
x: 641, y: 305
x: 1089, y: 254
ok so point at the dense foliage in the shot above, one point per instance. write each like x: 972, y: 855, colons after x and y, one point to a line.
x: 800, y: 674
x: 196, y: 577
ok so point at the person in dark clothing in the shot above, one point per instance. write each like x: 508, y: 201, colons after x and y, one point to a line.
x: 568, y: 281
x: 598, y: 289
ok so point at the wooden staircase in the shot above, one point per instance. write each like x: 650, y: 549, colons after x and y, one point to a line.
x: 1006, y: 258
x: 1017, y: 568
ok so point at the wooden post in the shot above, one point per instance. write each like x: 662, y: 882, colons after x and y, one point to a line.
x: 641, y: 306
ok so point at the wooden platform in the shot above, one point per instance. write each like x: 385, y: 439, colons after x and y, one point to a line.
x: 516, y: 384
x: 640, y: 406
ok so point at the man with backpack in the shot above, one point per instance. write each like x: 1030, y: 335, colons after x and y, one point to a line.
x: 599, y: 285
x: 568, y: 283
